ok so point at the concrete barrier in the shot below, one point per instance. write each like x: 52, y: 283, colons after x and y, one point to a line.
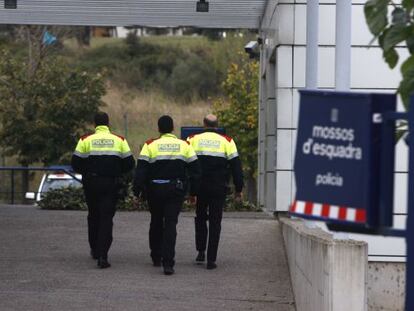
x: 327, y: 274
x: 386, y: 286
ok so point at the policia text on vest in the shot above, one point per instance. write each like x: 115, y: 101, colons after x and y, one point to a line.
x: 101, y: 158
x: 162, y: 169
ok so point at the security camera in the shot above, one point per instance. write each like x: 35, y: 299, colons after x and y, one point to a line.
x: 251, y: 47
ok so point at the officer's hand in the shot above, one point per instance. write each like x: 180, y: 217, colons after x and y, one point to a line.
x: 192, y: 200
x: 238, y: 197
x: 135, y: 202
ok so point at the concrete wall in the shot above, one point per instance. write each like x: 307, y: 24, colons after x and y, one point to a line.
x: 386, y: 286
x: 327, y: 274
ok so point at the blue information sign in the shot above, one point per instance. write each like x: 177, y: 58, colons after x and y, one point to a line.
x: 338, y: 158
x: 192, y: 130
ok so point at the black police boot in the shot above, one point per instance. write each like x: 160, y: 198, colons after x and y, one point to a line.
x: 168, y: 270
x: 103, y: 263
x: 94, y: 255
x: 201, y: 257
x: 211, y: 265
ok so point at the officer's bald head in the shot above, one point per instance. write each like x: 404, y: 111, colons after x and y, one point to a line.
x: 165, y: 124
x: 210, y: 120
x: 101, y: 118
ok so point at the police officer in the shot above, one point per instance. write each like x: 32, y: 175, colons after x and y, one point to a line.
x: 161, y: 170
x: 217, y: 154
x: 101, y: 158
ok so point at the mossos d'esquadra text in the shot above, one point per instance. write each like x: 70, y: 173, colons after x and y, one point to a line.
x: 333, y: 143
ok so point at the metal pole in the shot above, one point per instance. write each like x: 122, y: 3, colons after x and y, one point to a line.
x: 126, y: 125
x: 312, y: 39
x: 12, y: 187
x: 409, y: 298
x: 343, y: 45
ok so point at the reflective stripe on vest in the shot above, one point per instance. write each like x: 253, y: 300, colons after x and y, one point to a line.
x: 167, y: 147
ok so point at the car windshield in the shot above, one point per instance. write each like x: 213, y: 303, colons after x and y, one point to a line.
x: 59, y: 183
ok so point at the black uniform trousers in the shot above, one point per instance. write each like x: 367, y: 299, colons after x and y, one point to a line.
x: 165, y: 202
x: 101, y: 195
x: 209, y: 208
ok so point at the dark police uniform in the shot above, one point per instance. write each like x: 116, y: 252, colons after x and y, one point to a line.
x: 101, y: 158
x: 217, y: 154
x: 161, y: 170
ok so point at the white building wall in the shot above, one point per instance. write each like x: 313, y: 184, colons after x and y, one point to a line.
x: 284, y: 34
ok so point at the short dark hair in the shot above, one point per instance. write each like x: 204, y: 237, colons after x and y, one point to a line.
x: 101, y: 118
x: 165, y: 124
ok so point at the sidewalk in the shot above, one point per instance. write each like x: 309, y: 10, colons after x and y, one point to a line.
x: 45, y: 265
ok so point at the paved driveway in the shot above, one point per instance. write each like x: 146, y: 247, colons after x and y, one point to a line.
x: 45, y: 265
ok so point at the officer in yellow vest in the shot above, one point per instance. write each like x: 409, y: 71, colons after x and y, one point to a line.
x: 162, y: 169
x: 217, y: 154
x: 101, y: 158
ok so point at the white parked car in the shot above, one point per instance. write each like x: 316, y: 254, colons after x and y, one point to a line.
x: 54, y: 181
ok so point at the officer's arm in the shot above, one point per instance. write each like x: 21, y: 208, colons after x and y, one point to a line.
x: 235, y: 166
x: 79, y: 158
x: 128, y: 162
x: 194, y: 170
x: 141, y: 171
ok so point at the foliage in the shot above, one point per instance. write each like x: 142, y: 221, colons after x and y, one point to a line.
x: 141, y: 65
x: 126, y: 198
x: 72, y: 198
x: 239, y: 116
x: 240, y: 206
x: 392, y: 30
x: 44, y: 111
x: 184, y: 68
x: 69, y: 198
x: 192, y: 78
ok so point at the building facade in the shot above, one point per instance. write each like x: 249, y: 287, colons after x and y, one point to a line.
x: 283, y: 69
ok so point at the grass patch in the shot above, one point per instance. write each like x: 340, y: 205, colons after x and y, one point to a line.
x: 143, y: 110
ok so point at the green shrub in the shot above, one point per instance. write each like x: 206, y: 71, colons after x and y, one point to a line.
x: 73, y: 199
x: 230, y: 206
x: 181, y: 68
x: 69, y: 198
x: 242, y: 206
x: 193, y: 78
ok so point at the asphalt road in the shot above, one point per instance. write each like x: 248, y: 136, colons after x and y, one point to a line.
x: 45, y: 265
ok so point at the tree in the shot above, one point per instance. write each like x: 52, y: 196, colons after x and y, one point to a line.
x: 238, y: 114
x: 40, y: 90
x: 43, y: 112
x: 392, y: 30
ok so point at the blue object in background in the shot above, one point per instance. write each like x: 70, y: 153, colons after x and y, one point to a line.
x: 48, y: 38
x: 192, y: 130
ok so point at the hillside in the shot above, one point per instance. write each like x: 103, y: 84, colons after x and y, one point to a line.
x: 144, y: 79
x: 152, y: 76
x: 135, y: 113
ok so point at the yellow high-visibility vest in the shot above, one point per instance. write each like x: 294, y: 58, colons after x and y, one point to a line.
x: 213, y: 144
x: 167, y: 147
x: 103, y: 142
